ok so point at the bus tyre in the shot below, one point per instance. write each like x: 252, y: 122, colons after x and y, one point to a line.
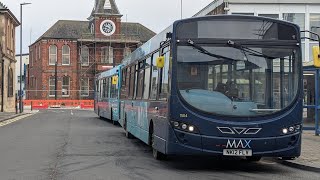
x: 128, y: 134
x: 111, y: 117
x: 156, y: 154
x: 253, y: 158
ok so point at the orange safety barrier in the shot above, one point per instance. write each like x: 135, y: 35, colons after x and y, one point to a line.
x: 44, y: 104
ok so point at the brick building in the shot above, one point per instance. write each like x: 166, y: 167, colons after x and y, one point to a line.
x: 77, y: 50
x: 8, y: 24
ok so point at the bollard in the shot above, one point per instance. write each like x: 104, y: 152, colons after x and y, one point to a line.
x: 31, y: 105
x: 16, y: 102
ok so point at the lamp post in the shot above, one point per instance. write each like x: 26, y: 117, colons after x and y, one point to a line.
x: 20, y: 92
x: 181, y: 8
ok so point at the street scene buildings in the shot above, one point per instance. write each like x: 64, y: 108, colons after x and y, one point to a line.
x: 78, y: 50
x: 173, y: 93
x: 8, y: 24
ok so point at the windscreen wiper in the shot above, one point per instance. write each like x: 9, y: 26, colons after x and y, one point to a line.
x: 204, y: 51
x: 248, y: 50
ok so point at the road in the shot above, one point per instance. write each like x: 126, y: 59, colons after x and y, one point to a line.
x: 72, y: 145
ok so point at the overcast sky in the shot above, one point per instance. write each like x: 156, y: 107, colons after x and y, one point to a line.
x: 42, y: 14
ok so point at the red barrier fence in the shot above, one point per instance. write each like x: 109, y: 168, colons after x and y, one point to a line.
x: 45, y: 104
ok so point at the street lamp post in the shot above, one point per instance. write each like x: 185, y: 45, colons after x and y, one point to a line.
x: 20, y: 92
x: 181, y: 8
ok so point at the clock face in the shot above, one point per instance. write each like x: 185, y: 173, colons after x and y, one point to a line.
x: 107, y: 27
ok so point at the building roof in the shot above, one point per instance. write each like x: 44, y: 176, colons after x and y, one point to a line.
x: 67, y: 29
x: 4, y: 8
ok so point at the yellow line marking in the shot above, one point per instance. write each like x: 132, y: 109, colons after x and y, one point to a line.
x: 4, y: 123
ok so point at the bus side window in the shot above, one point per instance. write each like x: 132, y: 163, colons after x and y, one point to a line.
x: 147, y: 78
x: 154, y: 78
x: 165, y: 77
x: 108, y: 81
x: 104, y: 88
x: 127, y: 89
x: 140, y: 78
x: 123, y: 90
x: 132, y: 80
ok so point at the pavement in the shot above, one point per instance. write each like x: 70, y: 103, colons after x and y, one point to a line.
x: 4, y: 116
x: 310, y: 155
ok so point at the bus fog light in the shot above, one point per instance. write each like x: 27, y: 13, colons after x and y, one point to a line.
x: 291, y: 129
x: 285, y: 131
x: 191, y: 128
x: 176, y: 124
x: 184, y: 126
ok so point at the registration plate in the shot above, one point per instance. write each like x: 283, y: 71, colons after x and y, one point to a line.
x: 237, y: 152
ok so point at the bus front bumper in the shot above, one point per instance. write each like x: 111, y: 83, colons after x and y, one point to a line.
x: 183, y: 143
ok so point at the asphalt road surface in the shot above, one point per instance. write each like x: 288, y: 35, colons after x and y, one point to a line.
x: 72, y: 145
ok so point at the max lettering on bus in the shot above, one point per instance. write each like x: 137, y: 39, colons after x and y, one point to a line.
x: 236, y: 144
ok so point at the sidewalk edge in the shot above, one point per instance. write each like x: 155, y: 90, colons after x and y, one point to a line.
x: 301, y: 166
x: 14, y: 116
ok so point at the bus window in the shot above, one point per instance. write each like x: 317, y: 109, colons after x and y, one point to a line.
x: 140, y: 78
x: 147, y: 75
x: 132, y: 81
x: 127, y: 82
x: 124, y: 84
x: 154, y: 78
x: 104, y: 89
x: 165, y: 77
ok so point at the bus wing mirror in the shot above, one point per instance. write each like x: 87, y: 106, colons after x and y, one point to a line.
x: 316, y: 56
x: 160, y: 62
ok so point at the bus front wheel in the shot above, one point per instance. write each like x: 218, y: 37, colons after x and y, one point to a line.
x: 128, y: 134
x: 156, y: 154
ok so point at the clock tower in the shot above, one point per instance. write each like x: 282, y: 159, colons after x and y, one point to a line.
x: 105, y: 19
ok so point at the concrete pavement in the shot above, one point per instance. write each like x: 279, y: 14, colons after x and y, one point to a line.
x: 310, y: 157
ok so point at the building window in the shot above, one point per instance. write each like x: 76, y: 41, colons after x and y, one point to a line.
x: 247, y: 14
x: 65, y: 55
x: 84, y: 57
x: 52, y: 86
x: 107, y: 55
x: 92, y: 28
x: 66, y: 86
x: 85, y: 86
x: 315, y: 24
x: 274, y: 16
x: 10, y: 82
x: 52, y: 55
x: 126, y: 51
x: 31, y: 57
x: 39, y: 52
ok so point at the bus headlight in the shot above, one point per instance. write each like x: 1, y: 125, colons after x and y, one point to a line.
x: 291, y: 129
x: 184, y: 127
x: 285, y: 131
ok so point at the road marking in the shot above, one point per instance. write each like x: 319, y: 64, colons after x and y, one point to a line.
x: 71, y: 113
x: 4, y: 123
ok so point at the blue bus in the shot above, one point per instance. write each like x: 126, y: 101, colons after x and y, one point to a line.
x: 107, y: 93
x: 216, y: 85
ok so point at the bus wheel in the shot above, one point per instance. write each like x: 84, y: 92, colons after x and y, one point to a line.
x: 156, y: 154
x: 100, y: 117
x: 253, y: 158
x: 111, y: 117
x: 128, y: 134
